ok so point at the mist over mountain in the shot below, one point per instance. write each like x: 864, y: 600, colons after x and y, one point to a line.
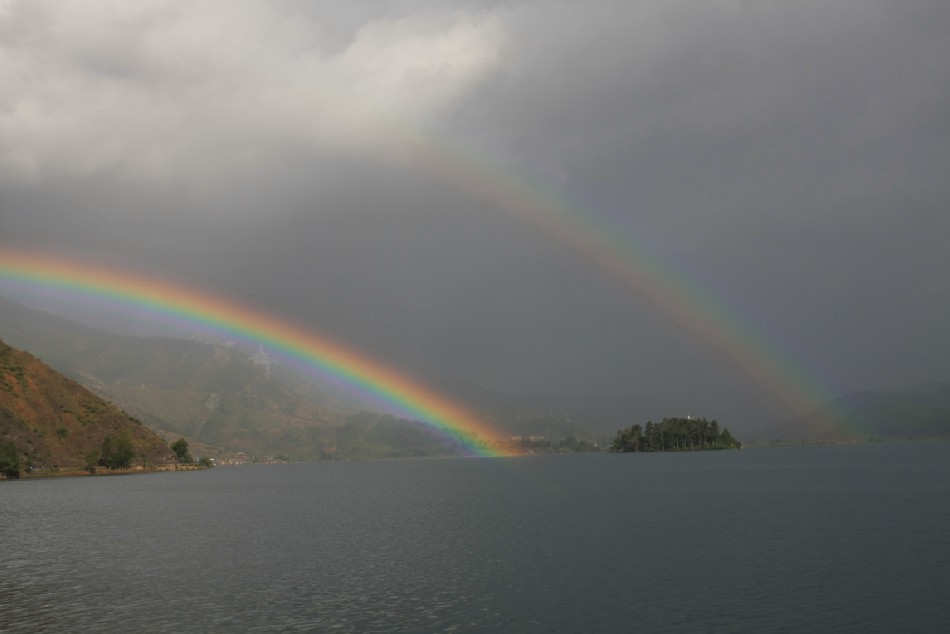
x: 918, y: 412
x: 216, y: 394
x: 229, y: 399
x: 595, y: 414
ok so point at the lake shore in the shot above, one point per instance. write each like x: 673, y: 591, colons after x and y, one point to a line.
x: 79, y: 472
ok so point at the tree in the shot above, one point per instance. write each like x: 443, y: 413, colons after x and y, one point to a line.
x: 636, y: 438
x: 180, y: 447
x: 9, y: 459
x: 117, y: 452
x: 650, y: 436
x: 729, y: 441
x: 628, y: 440
x: 91, y: 459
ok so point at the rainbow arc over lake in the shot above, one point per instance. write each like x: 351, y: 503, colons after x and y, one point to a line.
x: 609, y: 245
x: 627, y: 258
x: 320, y: 354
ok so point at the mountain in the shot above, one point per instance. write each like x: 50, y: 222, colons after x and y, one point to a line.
x: 553, y: 415
x: 920, y: 412
x: 226, y: 399
x: 221, y: 397
x: 58, y: 341
x: 52, y: 421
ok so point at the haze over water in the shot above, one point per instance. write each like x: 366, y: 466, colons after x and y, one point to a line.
x: 803, y: 539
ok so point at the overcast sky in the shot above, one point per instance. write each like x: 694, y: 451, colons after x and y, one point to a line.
x: 337, y: 162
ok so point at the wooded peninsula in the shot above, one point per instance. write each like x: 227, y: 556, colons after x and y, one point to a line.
x: 674, y: 434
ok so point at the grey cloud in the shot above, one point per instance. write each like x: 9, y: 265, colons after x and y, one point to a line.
x: 160, y: 92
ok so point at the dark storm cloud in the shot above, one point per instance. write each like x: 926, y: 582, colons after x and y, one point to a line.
x: 787, y: 157
x: 786, y: 154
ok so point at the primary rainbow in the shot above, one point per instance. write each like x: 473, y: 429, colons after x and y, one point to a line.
x: 319, y: 353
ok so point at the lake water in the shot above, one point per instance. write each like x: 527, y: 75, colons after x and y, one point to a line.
x: 798, y: 539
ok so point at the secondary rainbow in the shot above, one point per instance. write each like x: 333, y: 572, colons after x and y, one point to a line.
x: 608, y: 244
x: 616, y: 249
x: 327, y: 357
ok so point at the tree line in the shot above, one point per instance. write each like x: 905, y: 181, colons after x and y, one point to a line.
x: 674, y: 434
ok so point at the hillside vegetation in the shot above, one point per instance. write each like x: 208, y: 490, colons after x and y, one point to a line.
x: 50, y: 421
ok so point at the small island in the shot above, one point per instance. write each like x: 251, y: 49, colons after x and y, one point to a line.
x: 674, y: 434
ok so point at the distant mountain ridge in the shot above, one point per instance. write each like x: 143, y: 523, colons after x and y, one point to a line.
x: 56, y: 423
x: 219, y: 395
x: 567, y: 414
x: 224, y: 399
x: 227, y: 397
x: 920, y: 412
x: 230, y: 399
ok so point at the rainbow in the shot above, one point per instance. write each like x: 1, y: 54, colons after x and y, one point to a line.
x: 606, y: 243
x: 318, y: 353
x: 615, y: 249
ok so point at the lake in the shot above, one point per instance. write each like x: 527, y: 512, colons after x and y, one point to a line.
x: 794, y: 539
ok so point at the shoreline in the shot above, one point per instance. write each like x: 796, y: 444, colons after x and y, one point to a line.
x: 82, y: 472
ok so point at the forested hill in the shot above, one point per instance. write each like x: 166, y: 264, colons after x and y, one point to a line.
x: 675, y: 434
x: 49, y: 420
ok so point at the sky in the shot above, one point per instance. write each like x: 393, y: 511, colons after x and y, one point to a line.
x: 703, y: 203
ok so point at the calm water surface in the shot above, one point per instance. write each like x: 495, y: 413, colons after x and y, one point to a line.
x: 803, y: 539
